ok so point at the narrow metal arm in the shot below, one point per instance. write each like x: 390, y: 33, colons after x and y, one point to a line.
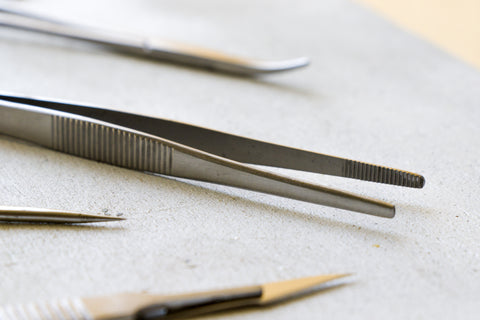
x: 156, y: 49
x: 34, y: 215
x: 239, y: 148
x: 128, y: 148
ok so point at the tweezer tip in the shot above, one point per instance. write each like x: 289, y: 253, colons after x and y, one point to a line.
x: 269, y: 66
x: 299, y: 62
x: 370, y: 172
x: 278, y: 291
x: 39, y: 215
x: 392, y: 213
x: 421, y: 182
x: 98, y: 218
x: 290, y: 64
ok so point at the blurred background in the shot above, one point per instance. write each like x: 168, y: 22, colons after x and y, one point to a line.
x: 454, y: 25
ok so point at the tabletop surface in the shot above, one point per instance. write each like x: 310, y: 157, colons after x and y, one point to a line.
x: 372, y: 93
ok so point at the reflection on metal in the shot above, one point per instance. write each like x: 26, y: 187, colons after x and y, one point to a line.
x: 151, y: 48
x: 177, y: 149
x: 36, y: 215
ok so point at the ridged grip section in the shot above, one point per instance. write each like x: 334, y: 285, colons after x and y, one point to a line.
x: 66, y: 309
x: 111, y: 145
x: 369, y: 172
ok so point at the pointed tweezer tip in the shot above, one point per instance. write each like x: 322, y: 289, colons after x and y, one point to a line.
x: 75, y: 217
x: 37, y: 215
x: 259, y: 67
x: 284, y: 65
x: 98, y: 218
x: 277, y: 291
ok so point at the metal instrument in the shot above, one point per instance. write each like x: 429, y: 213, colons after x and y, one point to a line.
x: 177, y: 149
x: 151, y: 48
x: 35, y: 215
x: 150, y: 307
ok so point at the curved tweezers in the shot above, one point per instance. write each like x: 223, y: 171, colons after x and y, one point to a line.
x: 156, y: 49
x: 181, y: 150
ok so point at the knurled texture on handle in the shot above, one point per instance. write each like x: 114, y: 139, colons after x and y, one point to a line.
x: 111, y: 145
x: 66, y: 309
x: 369, y: 172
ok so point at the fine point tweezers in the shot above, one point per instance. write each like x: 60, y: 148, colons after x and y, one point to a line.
x: 150, y: 307
x: 156, y: 49
x: 177, y: 149
x: 37, y: 215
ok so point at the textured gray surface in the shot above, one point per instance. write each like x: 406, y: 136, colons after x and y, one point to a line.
x: 373, y: 93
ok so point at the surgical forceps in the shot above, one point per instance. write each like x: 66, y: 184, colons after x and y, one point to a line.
x: 37, y: 215
x: 177, y: 149
x: 142, y: 306
x: 153, y: 48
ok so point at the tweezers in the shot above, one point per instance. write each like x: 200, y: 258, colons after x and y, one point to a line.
x: 152, y: 48
x: 37, y: 215
x: 181, y: 150
x: 142, y: 306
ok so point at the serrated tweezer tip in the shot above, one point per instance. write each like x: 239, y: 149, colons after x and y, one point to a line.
x: 370, y: 172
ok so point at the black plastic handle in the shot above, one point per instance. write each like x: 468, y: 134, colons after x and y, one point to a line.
x: 195, y: 305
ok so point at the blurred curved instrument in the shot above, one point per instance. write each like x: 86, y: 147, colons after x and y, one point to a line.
x: 164, y: 50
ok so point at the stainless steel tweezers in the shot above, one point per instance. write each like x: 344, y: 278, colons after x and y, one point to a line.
x: 39, y: 215
x: 177, y: 149
x: 152, y: 48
